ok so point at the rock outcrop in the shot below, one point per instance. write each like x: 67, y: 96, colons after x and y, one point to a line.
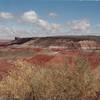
x: 68, y: 42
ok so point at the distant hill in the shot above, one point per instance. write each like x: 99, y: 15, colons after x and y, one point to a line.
x: 69, y: 42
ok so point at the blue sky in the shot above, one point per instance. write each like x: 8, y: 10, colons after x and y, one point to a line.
x: 49, y: 17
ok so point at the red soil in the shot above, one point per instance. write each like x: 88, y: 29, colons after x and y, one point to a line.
x: 40, y: 59
x: 57, y: 49
x: 71, y: 53
x: 37, y: 49
x: 93, y: 59
x: 62, y: 58
x: 59, y: 58
x: 5, y: 66
x: 67, y: 58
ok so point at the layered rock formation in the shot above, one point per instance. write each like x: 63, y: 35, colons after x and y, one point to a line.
x: 68, y: 42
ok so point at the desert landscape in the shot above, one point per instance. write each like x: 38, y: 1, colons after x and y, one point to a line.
x: 49, y: 49
x: 50, y: 68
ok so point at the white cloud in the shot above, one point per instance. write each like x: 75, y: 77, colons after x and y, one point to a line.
x: 6, y: 15
x: 53, y: 15
x: 41, y: 27
x: 50, y: 27
x: 30, y: 17
x: 33, y: 18
x: 79, y: 25
x: 43, y: 24
x: 55, y: 26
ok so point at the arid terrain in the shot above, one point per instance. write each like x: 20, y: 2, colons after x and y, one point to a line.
x: 55, y: 65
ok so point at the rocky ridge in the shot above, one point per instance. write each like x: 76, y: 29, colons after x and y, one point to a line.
x: 68, y: 42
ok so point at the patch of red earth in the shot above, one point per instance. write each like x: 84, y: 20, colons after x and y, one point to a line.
x: 67, y: 58
x: 57, y: 49
x: 5, y: 66
x: 93, y: 59
x: 71, y: 57
x: 39, y: 59
x: 37, y: 49
x: 71, y: 53
x: 62, y: 60
x: 71, y: 62
x: 58, y: 58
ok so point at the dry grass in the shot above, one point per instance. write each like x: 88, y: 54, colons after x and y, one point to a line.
x: 28, y: 82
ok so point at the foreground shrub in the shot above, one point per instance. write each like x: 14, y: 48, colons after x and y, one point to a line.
x: 29, y: 82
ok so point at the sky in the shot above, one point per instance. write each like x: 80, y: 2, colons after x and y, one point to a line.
x: 27, y: 18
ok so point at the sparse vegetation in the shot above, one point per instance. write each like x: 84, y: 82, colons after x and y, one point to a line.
x: 14, y: 54
x: 28, y: 82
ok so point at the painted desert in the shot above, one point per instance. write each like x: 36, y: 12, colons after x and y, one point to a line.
x: 50, y: 68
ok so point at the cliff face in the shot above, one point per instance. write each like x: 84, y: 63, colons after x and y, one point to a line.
x: 88, y: 44
x: 68, y: 42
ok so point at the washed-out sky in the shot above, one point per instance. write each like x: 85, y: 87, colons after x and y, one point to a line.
x: 26, y: 18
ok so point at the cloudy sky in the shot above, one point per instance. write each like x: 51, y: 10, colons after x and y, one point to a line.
x: 26, y: 18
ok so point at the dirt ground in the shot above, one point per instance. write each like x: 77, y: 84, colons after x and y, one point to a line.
x: 43, y: 57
